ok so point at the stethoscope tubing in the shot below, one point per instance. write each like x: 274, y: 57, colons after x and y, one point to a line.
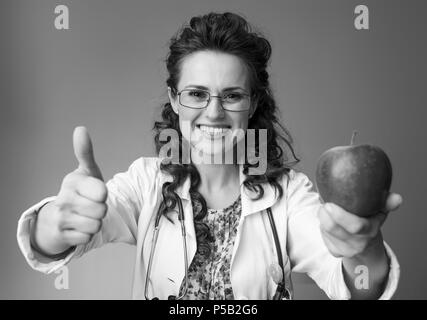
x: 281, y: 292
x: 154, y: 243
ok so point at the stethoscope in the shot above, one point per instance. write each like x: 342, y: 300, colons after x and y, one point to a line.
x: 282, y: 293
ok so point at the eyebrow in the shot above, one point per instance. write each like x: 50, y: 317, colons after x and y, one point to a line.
x: 207, y: 89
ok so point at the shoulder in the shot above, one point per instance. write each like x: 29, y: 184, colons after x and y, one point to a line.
x: 147, y: 164
x: 143, y: 170
x: 297, y: 186
x: 299, y: 177
x: 150, y: 169
x: 301, y: 191
x: 147, y: 168
x: 296, y: 179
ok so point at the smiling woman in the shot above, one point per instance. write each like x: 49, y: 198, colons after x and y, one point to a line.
x: 213, y: 230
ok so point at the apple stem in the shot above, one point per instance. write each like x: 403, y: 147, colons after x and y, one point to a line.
x: 353, y: 137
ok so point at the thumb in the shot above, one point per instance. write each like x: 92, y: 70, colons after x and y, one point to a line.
x: 393, y: 202
x: 83, y: 151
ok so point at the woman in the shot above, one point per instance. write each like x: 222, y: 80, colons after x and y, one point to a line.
x: 224, y: 230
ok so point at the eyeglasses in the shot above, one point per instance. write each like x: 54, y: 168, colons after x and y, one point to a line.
x: 199, y: 99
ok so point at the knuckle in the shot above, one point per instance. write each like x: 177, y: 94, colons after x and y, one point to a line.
x: 96, y: 211
x: 70, y: 180
x: 355, y: 228
x: 329, y: 226
x: 62, y: 221
x: 60, y: 201
x: 325, y: 223
x: 66, y: 198
x: 62, y: 198
x: 102, y: 210
x: 92, y: 227
x: 101, y: 190
x: 357, y: 250
x: 96, y: 189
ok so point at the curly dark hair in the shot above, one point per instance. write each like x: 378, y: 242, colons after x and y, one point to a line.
x: 228, y: 33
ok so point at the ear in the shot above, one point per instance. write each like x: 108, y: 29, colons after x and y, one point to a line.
x: 173, y: 100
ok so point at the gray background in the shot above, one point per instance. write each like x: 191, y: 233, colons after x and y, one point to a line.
x: 107, y: 73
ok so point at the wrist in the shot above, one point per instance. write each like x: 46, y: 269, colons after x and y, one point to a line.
x: 42, y: 238
x: 375, y: 258
x: 375, y: 250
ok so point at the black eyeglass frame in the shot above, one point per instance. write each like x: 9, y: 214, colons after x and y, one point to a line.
x: 210, y: 98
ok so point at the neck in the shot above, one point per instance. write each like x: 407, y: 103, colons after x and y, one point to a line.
x: 216, y: 176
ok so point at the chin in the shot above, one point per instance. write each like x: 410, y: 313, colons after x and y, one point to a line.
x: 213, y: 152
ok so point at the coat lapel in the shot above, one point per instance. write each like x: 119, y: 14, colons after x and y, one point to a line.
x: 183, y: 191
x: 249, y: 204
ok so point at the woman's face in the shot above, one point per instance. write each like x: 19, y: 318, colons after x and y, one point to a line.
x: 212, y: 129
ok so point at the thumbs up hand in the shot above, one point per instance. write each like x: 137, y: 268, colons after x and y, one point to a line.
x: 77, y: 212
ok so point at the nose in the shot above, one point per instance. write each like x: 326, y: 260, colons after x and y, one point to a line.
x: 214, y: 109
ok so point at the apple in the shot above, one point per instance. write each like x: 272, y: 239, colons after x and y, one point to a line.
x: 355, y: 177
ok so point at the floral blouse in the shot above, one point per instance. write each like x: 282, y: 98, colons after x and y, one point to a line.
x: 209, y: 279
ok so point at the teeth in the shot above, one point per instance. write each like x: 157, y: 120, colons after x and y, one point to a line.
x: 212, y: 130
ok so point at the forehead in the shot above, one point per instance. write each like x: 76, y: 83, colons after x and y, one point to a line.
x: 214, y: 70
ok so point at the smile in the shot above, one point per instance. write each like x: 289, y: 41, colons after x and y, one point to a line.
x: 213, y: 131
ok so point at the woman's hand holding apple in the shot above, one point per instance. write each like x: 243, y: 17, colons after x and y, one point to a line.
x: 348, y: 235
